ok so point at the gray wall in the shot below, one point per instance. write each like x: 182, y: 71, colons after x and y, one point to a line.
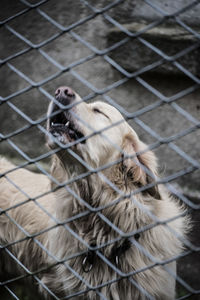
x: 132, y: 96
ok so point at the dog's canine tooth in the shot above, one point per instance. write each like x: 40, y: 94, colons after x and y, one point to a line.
x: 67, y: 124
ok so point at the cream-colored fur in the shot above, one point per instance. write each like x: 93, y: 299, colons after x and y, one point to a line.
x: 61, y: 245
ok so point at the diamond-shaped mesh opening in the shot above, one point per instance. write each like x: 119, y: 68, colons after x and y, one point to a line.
x: 192, y: 179
x: 168, y: 167
x: 190, y: 104
x: 8, y: 44
x: 185, y: 60
x: 166, y: 86
x: 16, y: 83
x: 170, y: 37
x: 28, y: 148
x: 63, y: 15
x: 133, y: 51
x: 10, y: 121
x: 169, y: 118
x: 168, y: 8
x: 42, y: 67
x: 32, y: 99
x: 189, y: 15
x: 62, y: 45
x: 131, y: 90
x: 97, y: 75
x: 43, y: 28
x: 8, y: 9
x: 97, y: 36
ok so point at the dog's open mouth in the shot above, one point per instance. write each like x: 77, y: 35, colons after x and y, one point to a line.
x: 63, y: 127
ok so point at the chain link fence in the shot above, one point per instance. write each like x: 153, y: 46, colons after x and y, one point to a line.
x: 141, y: 57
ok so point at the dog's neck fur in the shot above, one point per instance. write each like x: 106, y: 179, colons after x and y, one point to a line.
x: 95, y: 192
x: 93, y: 230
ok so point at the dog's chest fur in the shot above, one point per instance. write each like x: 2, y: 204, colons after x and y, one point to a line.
x: 103, y: 229
x: 95, y: 229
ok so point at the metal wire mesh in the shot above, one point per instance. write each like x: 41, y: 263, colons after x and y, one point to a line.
x: 89, y: 54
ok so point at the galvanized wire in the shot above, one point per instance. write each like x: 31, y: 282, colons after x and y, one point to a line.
x: 126, y: 76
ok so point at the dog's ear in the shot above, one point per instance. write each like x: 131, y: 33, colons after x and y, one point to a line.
x: 141, y: 167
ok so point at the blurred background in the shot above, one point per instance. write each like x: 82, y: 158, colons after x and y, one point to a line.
x: 142, y: 56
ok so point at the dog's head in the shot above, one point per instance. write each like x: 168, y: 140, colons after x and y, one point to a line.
x: 98, y: 134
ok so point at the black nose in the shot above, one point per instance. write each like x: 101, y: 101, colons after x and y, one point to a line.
x: 65, y: 95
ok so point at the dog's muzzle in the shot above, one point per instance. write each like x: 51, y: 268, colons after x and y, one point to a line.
x: 61, y: 124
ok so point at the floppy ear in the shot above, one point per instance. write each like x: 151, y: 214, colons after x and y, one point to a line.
x: 141, y: 169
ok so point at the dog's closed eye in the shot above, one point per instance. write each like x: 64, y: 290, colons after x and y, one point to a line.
x: 97, y: 110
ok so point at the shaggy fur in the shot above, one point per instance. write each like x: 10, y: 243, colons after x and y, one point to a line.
x: 157, y: 244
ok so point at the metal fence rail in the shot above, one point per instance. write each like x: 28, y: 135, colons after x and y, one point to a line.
x: 128, y: 36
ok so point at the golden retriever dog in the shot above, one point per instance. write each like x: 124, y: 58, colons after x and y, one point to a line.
x: 103, y: 228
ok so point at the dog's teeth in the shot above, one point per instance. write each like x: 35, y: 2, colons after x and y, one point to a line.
x: 67, y: 124
x: 52, y: 123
